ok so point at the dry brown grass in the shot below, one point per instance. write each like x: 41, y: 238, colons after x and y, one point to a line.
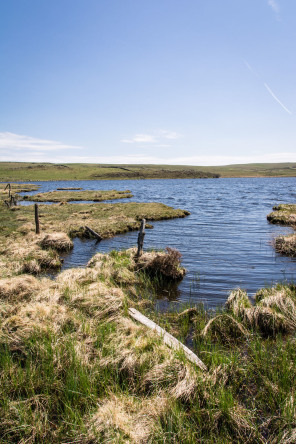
x: 166, y: 264
x: 286, y: 245
x: 225, y: 329
x: 273, y: 313
x: 56, y: 241
x: 127, y: 418
x: 20, y: 288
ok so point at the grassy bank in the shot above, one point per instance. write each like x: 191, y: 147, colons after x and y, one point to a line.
x: 14, y: 171
x: 285, y: 214
x: 76, y: 368
x: 68, y: 196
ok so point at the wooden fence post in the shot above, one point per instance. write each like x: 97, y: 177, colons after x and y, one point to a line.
x: 9, y: 189
x: 37, y: 219
x: 141, y: 236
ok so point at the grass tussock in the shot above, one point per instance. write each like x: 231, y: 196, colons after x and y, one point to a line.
x: 284, y: 214
x: 18, y: 288
x: 286, y: 245
x: 166, y: 264
x: 271, y: 314
x: 56, y: 241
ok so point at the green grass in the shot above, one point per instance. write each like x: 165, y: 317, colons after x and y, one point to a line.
x: 68, y: 196
x: 14, y: 171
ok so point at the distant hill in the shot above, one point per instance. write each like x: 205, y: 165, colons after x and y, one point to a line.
x: 24, y: 171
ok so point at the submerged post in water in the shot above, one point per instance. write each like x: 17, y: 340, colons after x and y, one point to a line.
x: 141, y: 236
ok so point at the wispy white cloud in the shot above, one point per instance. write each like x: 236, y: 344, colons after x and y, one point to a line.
x: 250, y: 68
x: 16, y: 142
x: 140, y: 138
x: 156, y: 137
x: 274, y: 6
x: 171, y: 135
x: 267, y: 87
x: 277, y: 99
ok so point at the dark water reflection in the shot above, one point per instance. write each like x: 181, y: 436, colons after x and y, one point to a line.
x: 226, y: 241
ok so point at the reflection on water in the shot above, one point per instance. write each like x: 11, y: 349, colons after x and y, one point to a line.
x: 226, y: 241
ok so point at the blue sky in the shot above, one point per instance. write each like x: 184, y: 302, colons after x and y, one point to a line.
x: 195, y: 82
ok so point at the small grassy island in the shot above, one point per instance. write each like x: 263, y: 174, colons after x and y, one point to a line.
x: 285, y: 214
x: 68, y: 196
x: 75, y: 366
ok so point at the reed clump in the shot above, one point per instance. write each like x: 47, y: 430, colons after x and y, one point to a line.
x: 284, y: 214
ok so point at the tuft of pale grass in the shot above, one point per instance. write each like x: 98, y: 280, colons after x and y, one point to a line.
x: 56, y: 241
x: 167, y: 264
x: 273, y: 313
x: 19, y: 288
x: 122, y: 418
x: 36, y: 316
x: 286, y: 245
x: 225, y: 329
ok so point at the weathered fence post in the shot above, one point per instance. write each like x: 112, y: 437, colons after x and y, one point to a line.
x: 37, y: 219
x: 9, y: 189
x: 141, y: 236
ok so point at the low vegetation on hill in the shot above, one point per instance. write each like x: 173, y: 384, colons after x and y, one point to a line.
x: 13, y: 171
x: 16, y: 171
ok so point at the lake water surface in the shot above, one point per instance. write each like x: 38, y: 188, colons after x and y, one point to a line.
x: 226, y: 242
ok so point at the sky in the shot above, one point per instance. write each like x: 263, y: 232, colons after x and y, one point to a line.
x: 189, y: 82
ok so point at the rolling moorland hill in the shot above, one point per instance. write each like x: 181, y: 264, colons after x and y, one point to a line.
x: 14, y: 171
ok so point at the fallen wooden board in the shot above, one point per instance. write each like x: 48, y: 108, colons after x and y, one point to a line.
x: 167, y: 337
x: 94, y: 233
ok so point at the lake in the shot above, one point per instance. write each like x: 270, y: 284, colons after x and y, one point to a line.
x: 226, y: 242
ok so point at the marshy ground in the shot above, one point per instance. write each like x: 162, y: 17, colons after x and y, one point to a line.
x: 74, y: 367
x: 285, y: 214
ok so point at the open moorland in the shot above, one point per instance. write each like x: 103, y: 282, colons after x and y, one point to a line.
x: 20, y: 171
x: 75, y: 366
x: 14, y: 171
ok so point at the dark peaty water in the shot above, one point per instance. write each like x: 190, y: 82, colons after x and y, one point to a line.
x: 226, y: 242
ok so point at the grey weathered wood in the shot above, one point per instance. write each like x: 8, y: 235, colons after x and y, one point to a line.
x: 141, y: 236
x: 94, y: 233
x: 37, y: 219
x: 167, y: 337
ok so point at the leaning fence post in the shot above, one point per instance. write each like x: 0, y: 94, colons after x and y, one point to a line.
x: 9, y: 189
x: 37, y: 219
x: 141, y: 236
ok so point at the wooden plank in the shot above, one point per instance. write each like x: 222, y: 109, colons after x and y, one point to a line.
x: 167, y: 337
x: 94, y: 233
